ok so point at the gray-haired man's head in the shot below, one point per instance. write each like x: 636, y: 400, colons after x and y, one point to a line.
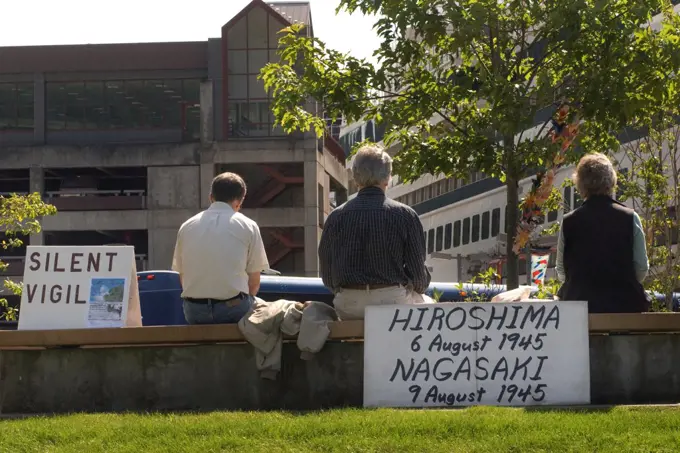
x: 372, y: 166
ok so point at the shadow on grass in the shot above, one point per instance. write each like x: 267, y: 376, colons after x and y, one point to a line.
x: 306, y: 412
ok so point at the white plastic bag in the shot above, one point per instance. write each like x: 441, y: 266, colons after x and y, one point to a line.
x: 515, y: 295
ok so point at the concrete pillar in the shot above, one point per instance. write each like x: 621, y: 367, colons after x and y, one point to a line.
x: 173, y: 197
x: 215, y: 75
x: 326, y: 195
x: 207, y: 117
x: 161, y: 248
x: 36, y: 179
x: 37, y: 184
x: 173, y: 187
x: 311, y: 223
x: 39, y: 108
x: 312, y: 238
x: 207, y: 173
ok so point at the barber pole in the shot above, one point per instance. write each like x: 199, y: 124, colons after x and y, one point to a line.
x: 539, y: 266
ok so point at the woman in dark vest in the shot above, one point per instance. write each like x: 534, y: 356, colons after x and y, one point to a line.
x: 601, y: 252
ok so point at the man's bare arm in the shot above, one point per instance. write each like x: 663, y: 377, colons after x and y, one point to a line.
x: 253, y: 283
x: 257, y: 262
x: 177, y: 258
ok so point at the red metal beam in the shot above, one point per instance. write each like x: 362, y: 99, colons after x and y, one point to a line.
x: 267, y: 193
x: 285, y: 240
x: 275, y: 256
x: 274, y: 173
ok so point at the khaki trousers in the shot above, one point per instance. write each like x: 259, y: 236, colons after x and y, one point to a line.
x: 350, y: 303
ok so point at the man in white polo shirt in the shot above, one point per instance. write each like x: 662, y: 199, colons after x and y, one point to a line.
x: 219, y: 256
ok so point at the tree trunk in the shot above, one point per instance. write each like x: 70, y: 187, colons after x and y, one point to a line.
x: 512, y: 268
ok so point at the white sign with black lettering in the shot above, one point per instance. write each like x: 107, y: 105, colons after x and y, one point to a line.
x: 79, y: 287
x: 465, y: 354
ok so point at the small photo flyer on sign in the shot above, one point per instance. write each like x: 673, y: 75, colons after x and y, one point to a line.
x: 105, y: 305
x: 466, y: 354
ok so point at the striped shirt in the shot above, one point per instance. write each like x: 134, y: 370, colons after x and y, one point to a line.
x: 372, y: 239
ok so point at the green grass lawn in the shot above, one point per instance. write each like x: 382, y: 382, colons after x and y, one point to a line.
x: 470, y: 430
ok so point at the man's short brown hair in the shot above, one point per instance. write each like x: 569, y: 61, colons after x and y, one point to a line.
x: 228, y: 187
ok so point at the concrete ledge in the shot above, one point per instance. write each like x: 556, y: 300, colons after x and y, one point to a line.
x: 225, y: 333
x: 134, y: 155
x: 346, y: 330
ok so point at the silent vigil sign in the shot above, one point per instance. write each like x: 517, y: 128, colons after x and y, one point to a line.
x: 465, y: 354
x: 79, y: 287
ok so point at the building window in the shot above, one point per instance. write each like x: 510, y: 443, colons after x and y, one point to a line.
x: 447, y: 236
x: 475, y: 228
x: 485, y: 225
x: 440, y: 239
x: 567, y: 199
x: 466, y: 231
x: 552, y: 216
x: 252, y: 42
x: 495, y: 222
x: 577, y: 200
x: 430, y: 241
x: 456, y: 233
x: 125, y: 104
x: 16, y: 106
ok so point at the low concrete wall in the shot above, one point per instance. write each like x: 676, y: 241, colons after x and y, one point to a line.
x: 625, y: 369
x: 635, y: 369
x: 176, y: 378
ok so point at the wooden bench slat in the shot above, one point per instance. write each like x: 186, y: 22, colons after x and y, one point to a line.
x: 634, y: 323
x: 345, y: 330
x: 223, y: 333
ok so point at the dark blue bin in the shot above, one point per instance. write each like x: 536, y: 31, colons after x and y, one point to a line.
x: 301, y: 289
x: 159, y: 298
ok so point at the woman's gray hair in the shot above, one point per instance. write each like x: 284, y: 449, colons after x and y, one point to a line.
x: 372, y: 166
x: 595, y: 175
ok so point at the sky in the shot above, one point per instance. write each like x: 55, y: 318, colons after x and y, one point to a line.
x: 49, y: 22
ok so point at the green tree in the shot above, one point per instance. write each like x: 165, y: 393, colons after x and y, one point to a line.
x: 460, y: 83
x: 652, y: 179
x: 19, y: 215
x: 654, y: 186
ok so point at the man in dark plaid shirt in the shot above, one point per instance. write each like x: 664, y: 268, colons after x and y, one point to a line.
x: 372, y: 250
